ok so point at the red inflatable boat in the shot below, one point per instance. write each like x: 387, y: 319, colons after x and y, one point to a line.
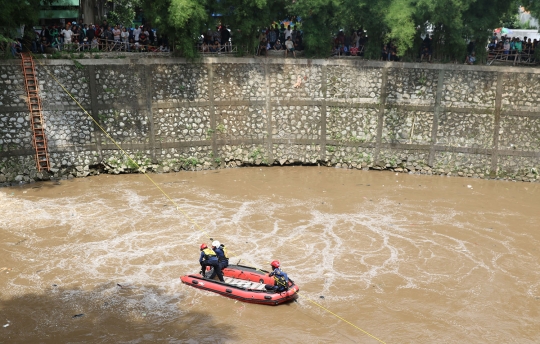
x: 244, y: 283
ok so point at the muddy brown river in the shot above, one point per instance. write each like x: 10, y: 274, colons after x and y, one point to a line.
x: 407, y: 259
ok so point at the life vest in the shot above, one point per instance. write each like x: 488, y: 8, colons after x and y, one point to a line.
x: 225, y: 252
x: 208, y: 252
x: 281, y: 279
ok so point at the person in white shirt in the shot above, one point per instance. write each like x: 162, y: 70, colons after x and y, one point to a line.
x: 67, y: 35
x: 288, y: 33
x: 125, y: 38
x: 289, y: 47
x: 136, y: 34
x: 116, y: 33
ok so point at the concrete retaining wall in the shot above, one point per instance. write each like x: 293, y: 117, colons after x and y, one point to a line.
x: 170, y: 114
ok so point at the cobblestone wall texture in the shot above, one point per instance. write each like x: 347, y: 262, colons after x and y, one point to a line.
x: 240, y: 122
x: 15, y: 132
x: 296, y: 122
x: 74, y: 80
x: 171, y: 115
x: 520, y: 133
x: 181, y: 124
x: 520, y: 91
x: 469, y: 89
x: 299, y: 82
x: 412, y: 86
x: 239, y: 82
x: 354, y: 83
x: 351, y: 124
x: 465, y: 130
x: 12, y: 85
x: 407, y: 126
x: 179, y: 83
x: 68, y: 128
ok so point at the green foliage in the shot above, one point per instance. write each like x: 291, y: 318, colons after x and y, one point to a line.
x: 102, y: 117
x: 321, y: 19
x: 13, y: 14
x: 182, y: 20
x: 453, y: 23
x: 248, y: 17
x: 531, y: 5
x: 220, y: 128
x: 123, y: 12
x: 255, y: 154
x: 78, y: 65
x: 191, y: 162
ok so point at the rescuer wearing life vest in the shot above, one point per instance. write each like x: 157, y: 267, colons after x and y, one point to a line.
x: 209, y: 258
x: 222, y: 254
x: 281, y: 280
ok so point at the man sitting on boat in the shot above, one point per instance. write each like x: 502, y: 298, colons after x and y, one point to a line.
x: 209, y: 258
x: 281, y: 280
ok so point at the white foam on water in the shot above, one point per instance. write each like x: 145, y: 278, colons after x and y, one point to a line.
x: 133, y: 237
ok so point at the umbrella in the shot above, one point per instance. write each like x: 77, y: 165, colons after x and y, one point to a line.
x: 503, y: 30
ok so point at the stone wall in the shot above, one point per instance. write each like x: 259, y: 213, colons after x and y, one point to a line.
x: 170, y: 114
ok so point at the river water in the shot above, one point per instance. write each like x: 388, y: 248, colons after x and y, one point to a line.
x: 407, y: 259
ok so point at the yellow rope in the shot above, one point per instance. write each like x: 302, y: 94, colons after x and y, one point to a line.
x: 177, y: 206
x: 339, y: 317
x: 125, y: 153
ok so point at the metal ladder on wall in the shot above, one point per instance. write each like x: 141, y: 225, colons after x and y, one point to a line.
x: 36, y: 117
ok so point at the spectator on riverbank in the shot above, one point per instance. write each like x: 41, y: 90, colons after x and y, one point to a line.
x: 426, y: 55
x: 67, y: 34
x: 470, y: 59
x: 263, y: 48
x: 298, y: 44
x: 225, y: 38
x: 124, y: 35
x: 272, y: 37
x: 289, y: 47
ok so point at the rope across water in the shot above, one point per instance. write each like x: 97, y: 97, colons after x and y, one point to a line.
x: 192, y: 221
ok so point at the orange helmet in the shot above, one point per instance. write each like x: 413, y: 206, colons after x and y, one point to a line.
x: 275, y: 264
x: 203, y: 246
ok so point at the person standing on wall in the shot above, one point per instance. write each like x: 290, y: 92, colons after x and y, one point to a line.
x: 209, y: 258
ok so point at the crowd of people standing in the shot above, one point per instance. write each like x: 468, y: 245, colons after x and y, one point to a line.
x: 80, y: 36
x: 280, y: 38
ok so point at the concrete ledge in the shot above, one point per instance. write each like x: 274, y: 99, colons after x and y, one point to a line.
x: 360, y: 63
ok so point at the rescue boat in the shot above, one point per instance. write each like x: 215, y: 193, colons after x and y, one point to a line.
x: 245, y: 284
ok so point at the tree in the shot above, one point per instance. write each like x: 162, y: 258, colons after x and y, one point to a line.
x: 181, y: 20
x: 320, y: 21
x: 531, y: 5
x: 247, y: 18
x: 123, y: 12
x: 453, y: 23
x: 15, y: 14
